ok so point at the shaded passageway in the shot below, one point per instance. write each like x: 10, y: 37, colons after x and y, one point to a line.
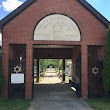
x: 55, y: 96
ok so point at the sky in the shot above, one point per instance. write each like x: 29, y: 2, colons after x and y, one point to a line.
x: 7, y: 6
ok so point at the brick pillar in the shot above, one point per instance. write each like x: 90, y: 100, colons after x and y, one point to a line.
x: 84, y: 73
x: 5, y: 65
x: 75, y: 54
x: 28, y: 77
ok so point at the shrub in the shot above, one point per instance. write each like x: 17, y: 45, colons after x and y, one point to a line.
x: 106, y: 66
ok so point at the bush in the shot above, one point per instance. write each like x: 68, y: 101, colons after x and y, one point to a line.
x: 106, y: 66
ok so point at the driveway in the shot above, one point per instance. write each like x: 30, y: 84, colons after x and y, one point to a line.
x: 56, y: 96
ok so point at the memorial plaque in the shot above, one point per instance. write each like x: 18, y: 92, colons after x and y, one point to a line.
x: 57, y: 27
x: 17, y: 78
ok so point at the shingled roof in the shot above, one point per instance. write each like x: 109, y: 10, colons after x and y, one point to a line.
x: 29, y: 2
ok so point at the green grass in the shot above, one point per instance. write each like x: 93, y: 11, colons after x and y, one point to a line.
x: 99, y: 104
x: 7, y: 104
x: 67, y: 79
x: 39, y: 79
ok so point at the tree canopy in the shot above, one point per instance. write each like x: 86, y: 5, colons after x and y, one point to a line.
x: 44, y: 63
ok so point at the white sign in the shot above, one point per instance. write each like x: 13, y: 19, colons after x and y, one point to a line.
x: 57, y: 27
x: 17, y: 78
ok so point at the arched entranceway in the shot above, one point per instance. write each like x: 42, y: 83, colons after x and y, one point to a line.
x: 57, y: 27
x: 50, y: 22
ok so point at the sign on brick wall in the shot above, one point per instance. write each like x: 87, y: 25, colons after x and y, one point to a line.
x: 57, y: 27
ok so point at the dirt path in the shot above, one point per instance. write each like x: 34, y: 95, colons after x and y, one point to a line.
x: 50, y: 77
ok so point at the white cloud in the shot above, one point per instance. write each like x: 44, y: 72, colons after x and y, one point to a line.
x: 10, y: 5
x: 0, y: 6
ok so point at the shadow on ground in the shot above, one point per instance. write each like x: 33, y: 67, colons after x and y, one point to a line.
x: 56, y: 97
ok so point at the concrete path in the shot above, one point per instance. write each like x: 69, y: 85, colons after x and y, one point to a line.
x: 56, y: 97
x: 50, y: 77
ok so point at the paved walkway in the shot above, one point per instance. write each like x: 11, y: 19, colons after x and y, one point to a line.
x: 50, y: 77
x: 56, y: 96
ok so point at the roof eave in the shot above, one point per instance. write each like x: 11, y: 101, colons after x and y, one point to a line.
x: 94, y: 12
x: 29, y: 2
x: 15, y: 13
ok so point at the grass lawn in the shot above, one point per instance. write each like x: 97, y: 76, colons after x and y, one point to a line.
x: 7, y: 104
x: 99, y: 104
x: 67, y: 79
x: 39, y: 79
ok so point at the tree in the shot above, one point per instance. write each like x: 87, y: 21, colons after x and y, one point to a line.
x: 44, y: 63
x: 106, y: 64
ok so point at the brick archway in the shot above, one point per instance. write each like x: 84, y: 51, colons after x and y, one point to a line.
x: 18, y: 27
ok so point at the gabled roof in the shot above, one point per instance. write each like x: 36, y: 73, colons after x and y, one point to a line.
x: 94, y: 12
x: 15, y: 13
x: 29, y: 2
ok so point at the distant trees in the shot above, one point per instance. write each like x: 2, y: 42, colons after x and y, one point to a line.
x: 106, y: 65
x: 44, y: 63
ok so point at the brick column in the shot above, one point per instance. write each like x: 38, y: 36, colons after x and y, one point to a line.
x: 5, y: 68
x: 84, y: 73
x: 28, y: 77
x: 75, y: 54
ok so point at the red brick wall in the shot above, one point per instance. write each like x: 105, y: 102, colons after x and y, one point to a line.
x: 20, y: 31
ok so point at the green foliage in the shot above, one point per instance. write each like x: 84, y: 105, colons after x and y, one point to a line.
x: 1, y: 77
x: 44, y: 63
x: 106, y: 66
x: 99, y: 104
x: 14, y: 104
